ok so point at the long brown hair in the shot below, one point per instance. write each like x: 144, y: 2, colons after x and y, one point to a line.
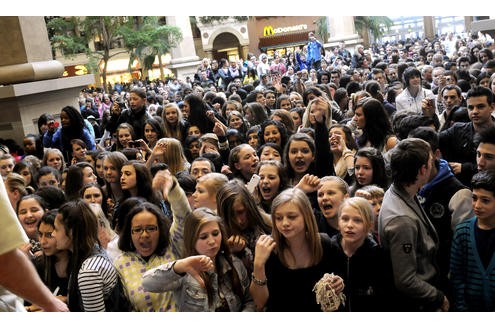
x: 297, y: 197
x: 194, y: 222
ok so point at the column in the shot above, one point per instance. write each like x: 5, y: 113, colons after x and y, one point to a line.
x: 342, y: 29
x: 429, y: 26
x: 31, y: 81
x: 184, y: 59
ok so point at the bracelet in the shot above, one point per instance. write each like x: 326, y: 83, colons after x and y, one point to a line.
x: 257, y: 281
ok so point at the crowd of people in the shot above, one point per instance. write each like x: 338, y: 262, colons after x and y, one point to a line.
x: 241, y: 187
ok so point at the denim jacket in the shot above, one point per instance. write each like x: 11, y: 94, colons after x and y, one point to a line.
x: 191, y: 297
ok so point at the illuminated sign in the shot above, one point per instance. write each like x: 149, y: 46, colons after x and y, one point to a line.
x: 269, y: 30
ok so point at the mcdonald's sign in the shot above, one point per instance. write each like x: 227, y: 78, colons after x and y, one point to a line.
x: 268, y: 30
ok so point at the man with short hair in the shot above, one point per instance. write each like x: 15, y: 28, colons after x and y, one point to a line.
x: 201, y: 166
x: 426, y: 75
x: 485, y: 153
x: 463, y: 63
x: 451, y: 96
x: 406, y: 233
x: 335, y: 77
x: 378, y: 75
x: 446, y: 201
x: 458, y: 144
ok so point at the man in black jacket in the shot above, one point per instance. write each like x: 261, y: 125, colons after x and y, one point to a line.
x: 457, y: 143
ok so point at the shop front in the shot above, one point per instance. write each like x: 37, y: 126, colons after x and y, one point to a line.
x: 282, y: 34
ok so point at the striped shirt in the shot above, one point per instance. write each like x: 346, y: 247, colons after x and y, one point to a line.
x: 96, y: 279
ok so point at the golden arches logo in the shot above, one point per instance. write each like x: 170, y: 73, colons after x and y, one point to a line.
x: 268, y: 30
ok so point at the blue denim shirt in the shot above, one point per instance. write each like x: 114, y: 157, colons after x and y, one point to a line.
x: 191, y: 297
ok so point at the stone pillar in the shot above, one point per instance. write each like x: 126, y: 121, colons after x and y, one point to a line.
x: 209, y: 54
x: 468, y: 20
x: 184, y: 59
x: 26, y: 53
x: 244, y: 52
x: 30, y: 80
x: 342, y: 29
x: 429, y: 26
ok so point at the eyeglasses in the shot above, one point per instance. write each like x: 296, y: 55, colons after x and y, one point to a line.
x: 140, y: 230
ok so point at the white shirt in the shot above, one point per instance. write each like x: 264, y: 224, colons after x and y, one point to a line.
x: 405, y: 101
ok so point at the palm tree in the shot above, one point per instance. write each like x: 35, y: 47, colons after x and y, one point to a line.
x: 376, y: 25
x: 146, y: 38
x: 322, y: 28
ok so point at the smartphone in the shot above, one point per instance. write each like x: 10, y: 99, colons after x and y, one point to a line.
x: 255, y: 179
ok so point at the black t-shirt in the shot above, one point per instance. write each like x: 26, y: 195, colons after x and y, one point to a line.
x: 485, y: 244
x: 291, y: 290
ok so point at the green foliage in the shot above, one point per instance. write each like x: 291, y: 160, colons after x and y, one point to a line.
x: 145, y: 38
x: 219, y: 19
x: 63, y: 35
x: 377, y: 25
x: 322, y: 28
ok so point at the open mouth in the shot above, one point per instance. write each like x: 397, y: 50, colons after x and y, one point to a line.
x: 300, y: 164
x: 327, y: 207
x: 145, y: 245
x: 30, y: 223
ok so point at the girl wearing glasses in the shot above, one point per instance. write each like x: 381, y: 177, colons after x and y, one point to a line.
x: 147, y: 240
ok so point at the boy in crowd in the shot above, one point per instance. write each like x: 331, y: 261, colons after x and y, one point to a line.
x: 472, y: 267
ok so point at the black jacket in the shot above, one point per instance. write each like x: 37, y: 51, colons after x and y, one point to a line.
x: 457, y: 145
x: 135, y: 118
x: 367, y: 276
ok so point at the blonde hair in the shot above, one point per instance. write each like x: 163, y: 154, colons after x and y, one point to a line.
x: 342, y: 185
x: 174, y: 155
x: 364, y: 209
x: 297, y: 197
x: 15, y: 181
x: 374, y: 191
x: 49, y: 151
x: 103, y: 222
x: 328, y: 114
x: 172, y: 132
x: 213, y: 181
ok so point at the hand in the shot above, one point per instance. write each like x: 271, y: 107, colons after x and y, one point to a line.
x: 428, y: 107
x: 308, y: 183
x: 362, y: 194
x: 141, y: 144
x: 337, y: 140
x: 207, y: 147
x: 55, y: 305
x: 319, y: 108
x: 218, y: 129
x: 337, y: 284
x: 26, y: 249
x: 226, y: 170
x: 264, y: 246
x: 211, y: 115
x: 37, y: 308
x: 194, y: 265
x: 159, y: 149
x: 163, y: 181
x: 236, y: 243
x: 456, y: 167
x: 445, y: 305
x: 110, y: 205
